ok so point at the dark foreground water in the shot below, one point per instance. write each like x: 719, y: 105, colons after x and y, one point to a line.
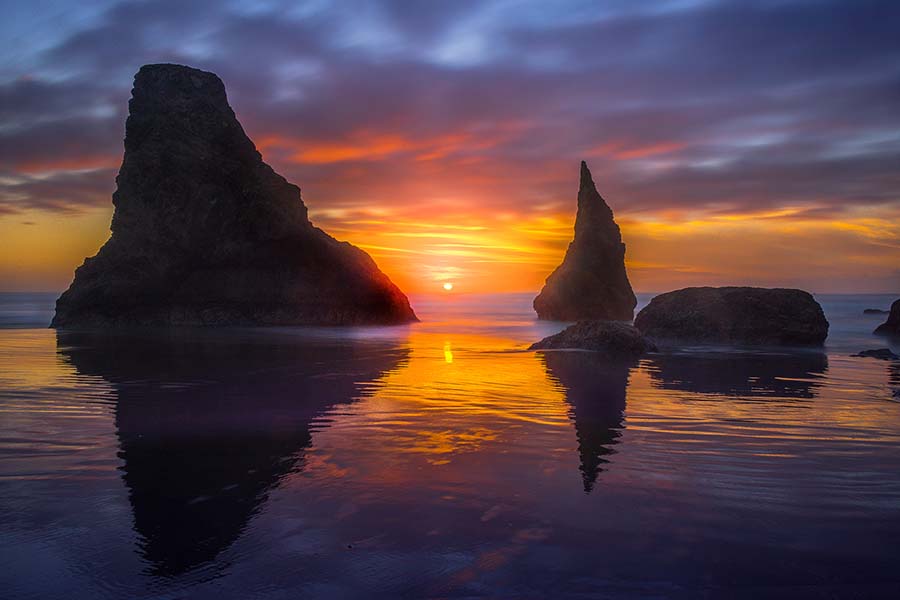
x: 441, y: 460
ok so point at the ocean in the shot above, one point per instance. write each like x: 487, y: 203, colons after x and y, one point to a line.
x: 443, y: 460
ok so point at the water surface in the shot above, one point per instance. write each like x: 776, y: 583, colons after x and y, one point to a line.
x: 442, y: 460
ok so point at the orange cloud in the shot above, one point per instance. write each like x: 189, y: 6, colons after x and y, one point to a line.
x: 428, y: 215
x: 623, y: 150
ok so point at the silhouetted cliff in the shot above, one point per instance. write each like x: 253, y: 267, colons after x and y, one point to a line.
x: 205, y: 232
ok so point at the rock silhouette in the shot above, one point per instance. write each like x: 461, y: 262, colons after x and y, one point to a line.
x: 735, y: 315
x: 205, y: 232
x: 591, y: 282
x: 879, y: 353
x: 612, y: 338
x: 199, y: 459
x: 892, y: 325
x: 595, y: 390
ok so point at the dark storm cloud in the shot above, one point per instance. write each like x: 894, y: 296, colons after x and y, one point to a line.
x: 722, y: 106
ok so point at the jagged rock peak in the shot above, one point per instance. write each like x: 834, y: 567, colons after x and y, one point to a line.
x: 591, y: 282
x: 594, y: 217
x: 205, y: 232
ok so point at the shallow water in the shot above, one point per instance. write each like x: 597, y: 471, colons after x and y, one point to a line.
x: 442, y: 460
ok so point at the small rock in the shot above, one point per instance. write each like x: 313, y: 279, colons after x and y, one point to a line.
x: 879, y: 353
x: 614, y: 338
x: 875, y: 311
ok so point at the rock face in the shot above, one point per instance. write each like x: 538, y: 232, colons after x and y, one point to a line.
x: 892, y: 325
x: 206, y: 233
x: 591, y: 282
x: 615, y: 339
x: 735, y: 315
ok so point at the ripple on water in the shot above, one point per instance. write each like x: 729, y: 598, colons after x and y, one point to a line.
x: 437, y: 462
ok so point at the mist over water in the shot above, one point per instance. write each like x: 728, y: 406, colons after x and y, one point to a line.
x: 441, y: 459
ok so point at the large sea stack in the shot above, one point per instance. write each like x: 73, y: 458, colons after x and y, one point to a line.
x: 735, y: 315
x: 206, y: 233
x: 892, y: 325
x: 591, y: 282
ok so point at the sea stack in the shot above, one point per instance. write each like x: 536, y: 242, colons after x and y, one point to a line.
x: 892, y: 325
x: 591, y: 282
x: 735, y: 315
x: 205, y: 233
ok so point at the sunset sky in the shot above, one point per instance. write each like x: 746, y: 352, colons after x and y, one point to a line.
x: 736, y: 142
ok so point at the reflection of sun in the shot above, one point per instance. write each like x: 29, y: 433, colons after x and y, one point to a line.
x: 448, y: 286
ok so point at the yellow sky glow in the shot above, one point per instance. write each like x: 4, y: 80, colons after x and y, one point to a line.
x: 486, y: 252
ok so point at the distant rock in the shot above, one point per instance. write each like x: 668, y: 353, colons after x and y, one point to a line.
x: 892, y: 325
x: 735, y: 315
x: 614, y: 338
x: 206, y: 233
x: 875, y: 311
x: 879, y: 353
x: 591, y: 282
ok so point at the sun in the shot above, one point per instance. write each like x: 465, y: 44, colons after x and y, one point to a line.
x: 448, y: 286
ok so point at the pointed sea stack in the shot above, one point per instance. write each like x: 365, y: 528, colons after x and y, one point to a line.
x: 206, y: 233
x: 591, y: 282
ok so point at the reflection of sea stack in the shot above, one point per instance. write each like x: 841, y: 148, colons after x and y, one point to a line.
x: 591, y: 282
x: 205, y: 232
x: 595, y: 390
x: 794, y: 375
x: 208, y: 427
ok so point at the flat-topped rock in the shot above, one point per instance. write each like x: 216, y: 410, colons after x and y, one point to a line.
x: 892, y: 325
x: 614, y: 338
x: 591, y: 282
x: 206, y: 233
x: 735, y: 315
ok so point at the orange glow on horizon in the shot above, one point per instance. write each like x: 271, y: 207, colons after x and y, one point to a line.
x: 429, y: 222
